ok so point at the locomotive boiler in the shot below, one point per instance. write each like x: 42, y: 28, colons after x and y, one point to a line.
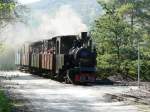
x: 69, y: 58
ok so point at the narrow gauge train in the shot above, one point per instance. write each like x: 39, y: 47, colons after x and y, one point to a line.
x: 70, y: 58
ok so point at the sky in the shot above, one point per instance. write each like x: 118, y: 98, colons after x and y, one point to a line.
x: 27, y: 1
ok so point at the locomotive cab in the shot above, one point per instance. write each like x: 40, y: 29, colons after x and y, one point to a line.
x: 75, y: 59
x: 63, y: 45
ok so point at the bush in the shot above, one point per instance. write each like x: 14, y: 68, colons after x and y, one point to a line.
x: 5, y: 105
x: 145, y: 70
x: 106, y: 65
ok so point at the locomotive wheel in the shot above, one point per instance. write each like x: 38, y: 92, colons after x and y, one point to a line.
x: 67, y: 80
x: 70, y: 77
x: 60, y: 76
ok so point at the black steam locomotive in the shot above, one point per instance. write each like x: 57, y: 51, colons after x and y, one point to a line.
x: 70, y: 58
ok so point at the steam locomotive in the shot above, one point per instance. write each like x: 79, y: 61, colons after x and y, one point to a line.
x: 70, y: 58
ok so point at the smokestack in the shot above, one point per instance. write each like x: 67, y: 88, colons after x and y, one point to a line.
x: 84, y: 35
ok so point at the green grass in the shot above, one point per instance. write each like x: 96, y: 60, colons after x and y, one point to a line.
x: 5, y: 104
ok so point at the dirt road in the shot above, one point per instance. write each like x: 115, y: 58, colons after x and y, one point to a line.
x: 37, y: 94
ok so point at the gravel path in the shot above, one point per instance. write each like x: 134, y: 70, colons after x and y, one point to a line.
x: 35, y: 94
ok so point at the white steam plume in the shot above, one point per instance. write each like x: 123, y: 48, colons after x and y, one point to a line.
x: 65, y: 22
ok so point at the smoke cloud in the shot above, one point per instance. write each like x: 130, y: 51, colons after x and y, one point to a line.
x: 64, y: 22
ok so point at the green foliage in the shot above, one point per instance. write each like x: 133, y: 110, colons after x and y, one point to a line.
x: 9, y: 5
x: 5, y: 105
x: 117, y: 34
x: 145, y: 72
x: 106, y: 65
x: 6, y: 10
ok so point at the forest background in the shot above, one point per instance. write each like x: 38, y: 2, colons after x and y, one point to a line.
x: 118, y: 32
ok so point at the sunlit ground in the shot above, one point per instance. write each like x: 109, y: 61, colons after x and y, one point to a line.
x: 50, y: 96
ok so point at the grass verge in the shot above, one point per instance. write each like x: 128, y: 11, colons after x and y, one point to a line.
x: 5, y: 103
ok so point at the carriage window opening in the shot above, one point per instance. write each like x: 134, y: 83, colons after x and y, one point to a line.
x: 66, y: 43
x: 57, y: 47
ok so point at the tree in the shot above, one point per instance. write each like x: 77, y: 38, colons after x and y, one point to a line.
x: 113, y: 35
x: 7, y: 8
x: 10, y: 13
x: 117, y: 34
